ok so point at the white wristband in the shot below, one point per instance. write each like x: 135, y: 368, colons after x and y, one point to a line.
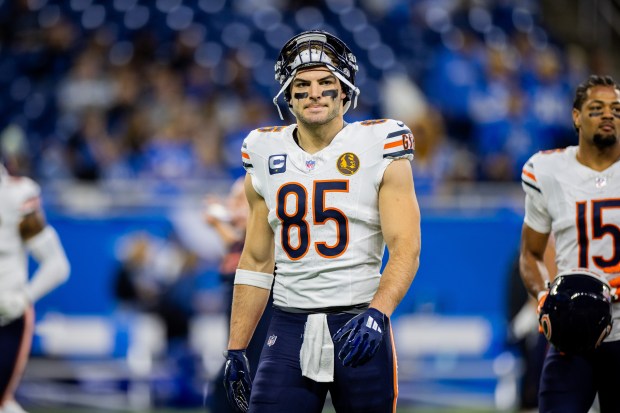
x: 541, y: 293
x: 253, y: 278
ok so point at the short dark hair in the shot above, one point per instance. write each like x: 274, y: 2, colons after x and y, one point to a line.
x: 593, y: 80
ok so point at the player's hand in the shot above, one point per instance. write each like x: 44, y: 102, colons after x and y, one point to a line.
x: 363, y: 334
x: 542, y: 296
x: 237, y: 380
x: 614, y: 283
x: 13, y: 304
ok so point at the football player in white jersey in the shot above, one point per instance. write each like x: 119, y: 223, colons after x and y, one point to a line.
x: 23, y: 232
x: 574, y: 194
x: 325, y: 197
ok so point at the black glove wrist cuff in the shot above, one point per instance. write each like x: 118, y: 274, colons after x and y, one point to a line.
x: 227, y: 353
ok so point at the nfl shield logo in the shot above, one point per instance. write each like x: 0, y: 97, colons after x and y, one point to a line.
x: 272, y: 340
x: 310, y: 164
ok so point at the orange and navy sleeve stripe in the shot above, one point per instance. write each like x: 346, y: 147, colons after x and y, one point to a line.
x: 528, y: 177
x: 245, y: 157
x: 399, y: 144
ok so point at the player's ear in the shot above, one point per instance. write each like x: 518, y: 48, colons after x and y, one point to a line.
x: 576, y: 119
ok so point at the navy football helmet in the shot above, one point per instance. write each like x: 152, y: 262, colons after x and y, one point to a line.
x: 317, y: 48
x: 576, y: 315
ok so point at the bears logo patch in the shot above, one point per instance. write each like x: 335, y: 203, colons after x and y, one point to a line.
x: 348, y: 163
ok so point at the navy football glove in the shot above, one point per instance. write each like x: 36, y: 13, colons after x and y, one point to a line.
x: 364, y: 334
x: 237, y: 380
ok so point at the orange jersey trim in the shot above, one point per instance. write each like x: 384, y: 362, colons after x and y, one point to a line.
x: 529, y: 175
x: 392, y: 145
x: 395, y: 369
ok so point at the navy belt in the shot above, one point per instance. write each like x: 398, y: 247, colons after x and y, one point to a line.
x: 348, y: 309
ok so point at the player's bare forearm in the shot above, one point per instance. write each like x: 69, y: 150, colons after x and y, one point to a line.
x: 532, y: 266
x: 400, y: 224
x: 248, y: 305
x: 395, y: 282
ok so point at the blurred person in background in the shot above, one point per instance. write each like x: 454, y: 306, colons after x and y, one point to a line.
x: 133, y: 287
x: 91, y: 153
x: 574, y: 195
x: 160, y: 277
x: 23, y: 231
x: 325, y: 197
x: 229, y: 218
x: 439, y: 159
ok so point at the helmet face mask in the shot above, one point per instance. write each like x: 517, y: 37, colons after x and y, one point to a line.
x: 317, y: 48
x: 576, y: 316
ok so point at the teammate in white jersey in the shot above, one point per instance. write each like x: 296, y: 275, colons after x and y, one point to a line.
x: 325, y: 198
x: 574, y: 194
x: 23, y: 232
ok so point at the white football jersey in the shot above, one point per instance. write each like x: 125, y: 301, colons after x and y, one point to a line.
x: 581, y: 207
x: 18, y: 197
x: 323, y: 209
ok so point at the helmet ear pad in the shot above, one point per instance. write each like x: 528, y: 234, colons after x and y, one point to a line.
x: 576, y: 316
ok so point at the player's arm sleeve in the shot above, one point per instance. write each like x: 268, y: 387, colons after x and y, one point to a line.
x: 249, y: 159
x: 536, y: 214
x: 398, y: 143
x: 30, y: 193
x: 53, y: 267
x: 43, y: 243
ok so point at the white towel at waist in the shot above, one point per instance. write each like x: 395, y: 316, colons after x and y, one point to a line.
x: 317, y: 350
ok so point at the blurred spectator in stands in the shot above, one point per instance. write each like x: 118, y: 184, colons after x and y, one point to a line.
x: 170, y: 154
x: 137, y: 69
x: 134, y: 137
x: 91, y: 152
x: 505, y: 130
x: 130, y: 89
x: 164, y: 95
x: 251, y: 112
x: 198, y: 84
x: 456, y: 72
x: 229, y: 219
x: 87, y: 85
x: 59, y: 38
x: 135, y: 289
x: 15, y: 151
x: 161, y: 277
x: 548, y: 94
x: 577, y: 61
x: 438, y: 160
